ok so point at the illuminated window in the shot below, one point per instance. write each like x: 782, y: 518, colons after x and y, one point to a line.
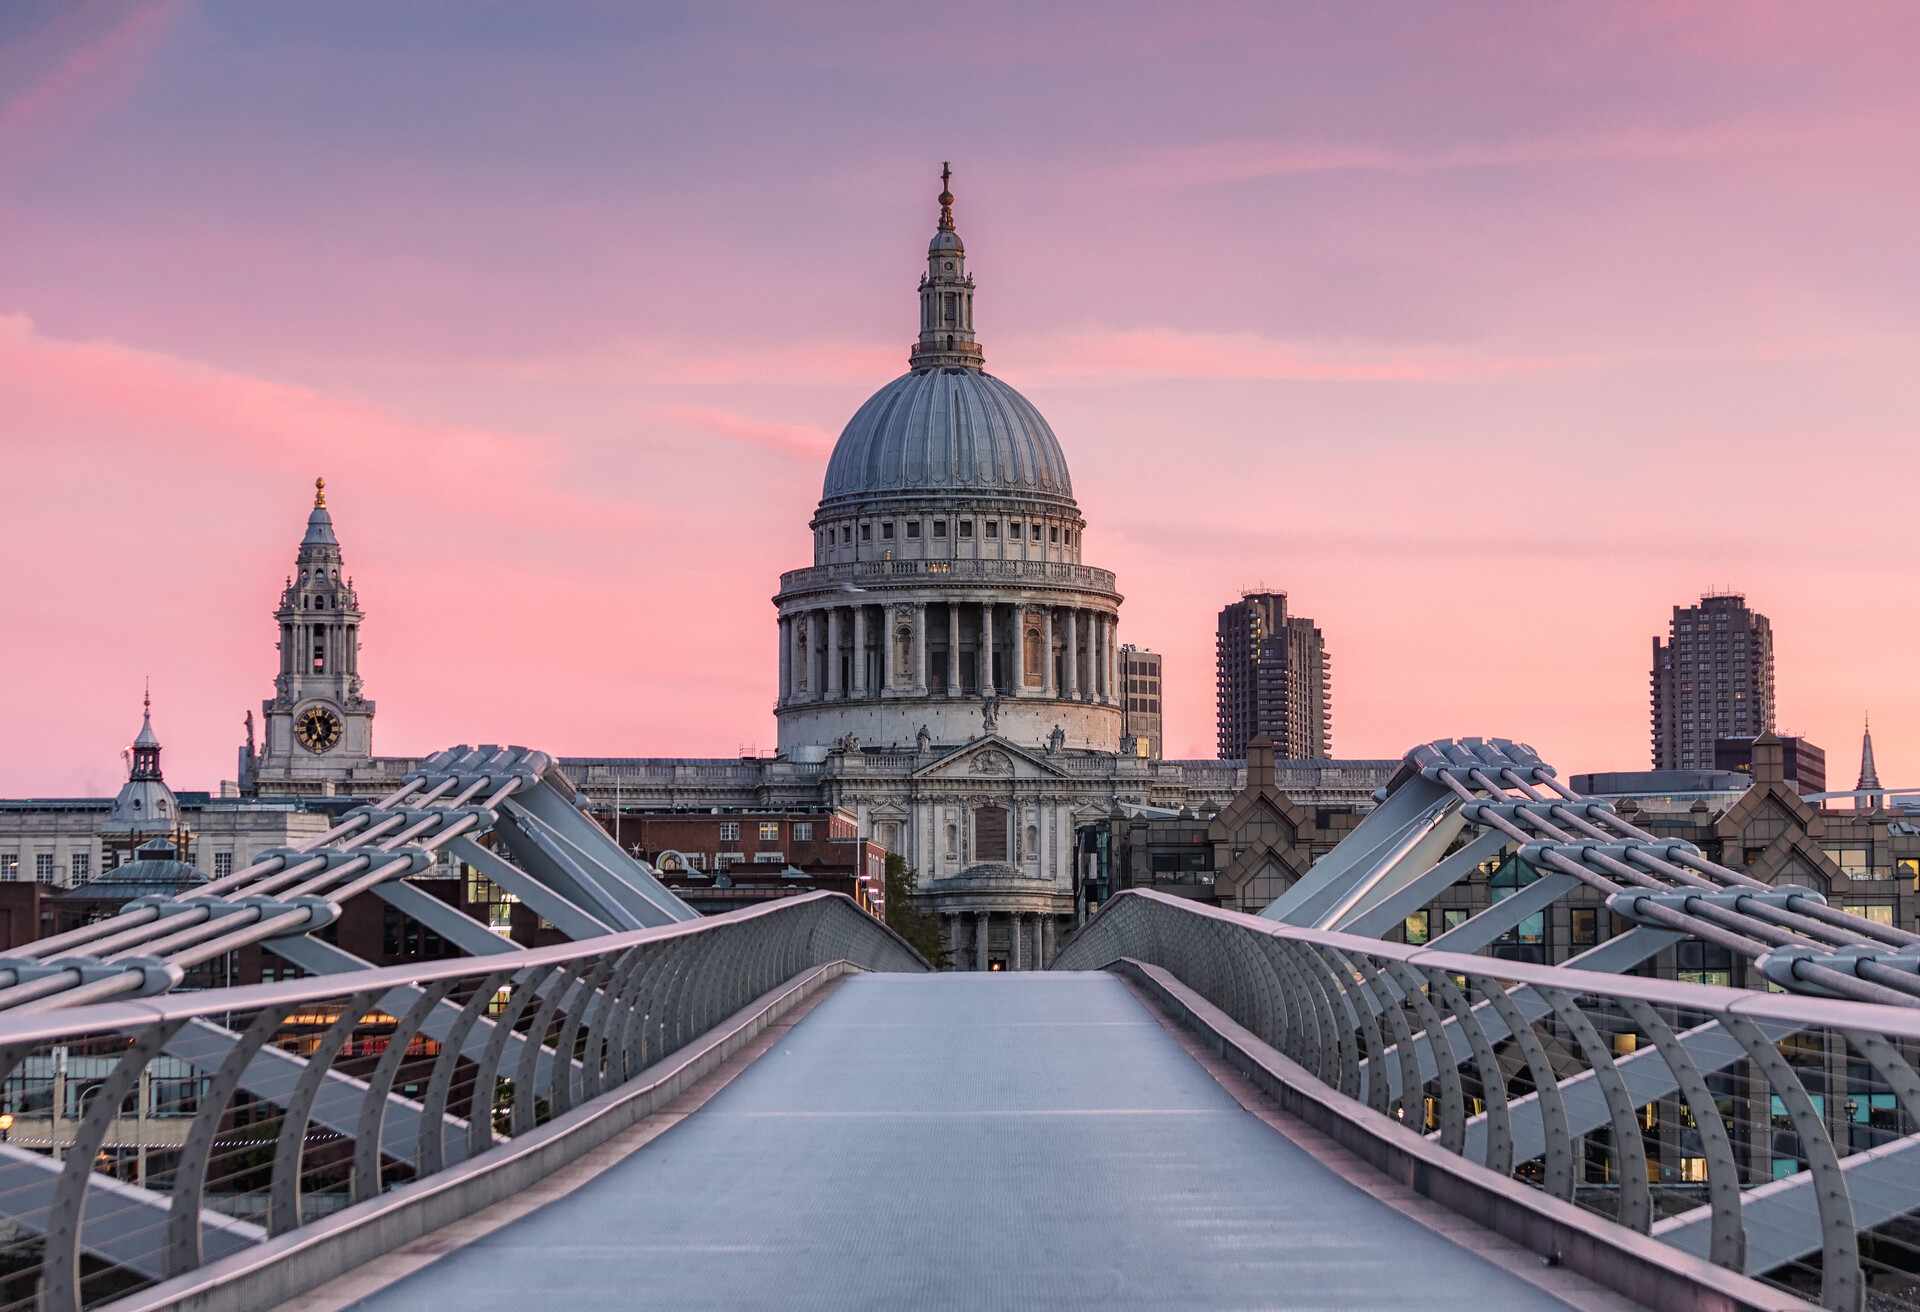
x: 1851, y: 858
x: 1417, y: 931
x: 1880, y: 913
x: 769, y: 831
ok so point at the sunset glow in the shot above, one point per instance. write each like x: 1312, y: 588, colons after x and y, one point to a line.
x: 1488, y: 338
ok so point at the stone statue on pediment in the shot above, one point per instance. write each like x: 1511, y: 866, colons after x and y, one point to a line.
x: 923, y: 740
x: 990, y: 714
x: 1056, y: 740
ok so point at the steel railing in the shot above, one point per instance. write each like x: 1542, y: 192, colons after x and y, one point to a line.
x: 301, y: 1099
x: 1774, y: 1134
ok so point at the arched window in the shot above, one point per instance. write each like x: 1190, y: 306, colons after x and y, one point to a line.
x: 1031, y: 657
x: 953, y: 838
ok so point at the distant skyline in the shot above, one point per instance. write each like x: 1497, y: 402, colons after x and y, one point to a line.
x: 1488, y: 333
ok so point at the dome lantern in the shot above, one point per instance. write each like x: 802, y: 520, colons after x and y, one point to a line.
x: 946, y: 297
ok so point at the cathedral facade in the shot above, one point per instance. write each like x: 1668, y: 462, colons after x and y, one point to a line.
x: 948, y: 663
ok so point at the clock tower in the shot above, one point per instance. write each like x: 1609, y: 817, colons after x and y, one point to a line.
x: 319, y: 726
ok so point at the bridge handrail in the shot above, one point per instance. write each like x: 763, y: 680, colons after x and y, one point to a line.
x: 1506, y: 1063
x: 501, y: 1047
x: 1802, y: 1009
x: 30, y: 1027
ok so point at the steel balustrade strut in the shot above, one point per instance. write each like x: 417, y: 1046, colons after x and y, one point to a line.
x: 606, y: 1013
x: 1708, y: 1158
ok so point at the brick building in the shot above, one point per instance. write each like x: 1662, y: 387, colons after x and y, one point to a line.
x: 718, y: 860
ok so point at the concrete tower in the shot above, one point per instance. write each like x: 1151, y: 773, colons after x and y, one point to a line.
x: 1711, y: 679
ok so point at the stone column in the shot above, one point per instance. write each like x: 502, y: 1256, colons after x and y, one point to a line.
x: 796, y: 668
x: 887, y: 673
x: 816, y: 655
x: 1113, y: 659
x: 859, y: 651
x: 982, y: 927
x: 1049, y: 686
x: 953, y: 940
x: 1073, y: 655
x: 1096, y: 659
x: 1019, y: 651
x: 920, y: 646
x: 986, y: 649
x: 786, y: 660
x: 835, y: 689
x: 953, y: 649
x: 1016, y: 941
x: 1046, y: 941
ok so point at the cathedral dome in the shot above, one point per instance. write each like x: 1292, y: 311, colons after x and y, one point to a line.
x: 947, y: 430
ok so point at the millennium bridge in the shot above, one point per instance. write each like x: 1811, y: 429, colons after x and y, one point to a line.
x: 783, y: 1106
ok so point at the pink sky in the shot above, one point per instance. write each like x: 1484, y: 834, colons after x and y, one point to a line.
x: 1488, y: 332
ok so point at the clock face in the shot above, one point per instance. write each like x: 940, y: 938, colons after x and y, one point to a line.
x: 949, y: 266
x: 316, y: 728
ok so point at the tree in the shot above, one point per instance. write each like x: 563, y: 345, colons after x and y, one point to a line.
x: 919, y: 928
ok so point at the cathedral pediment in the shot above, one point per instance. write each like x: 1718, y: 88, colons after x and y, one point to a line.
x: 990, y: 758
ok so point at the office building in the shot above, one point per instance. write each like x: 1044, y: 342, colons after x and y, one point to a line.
x: 1140, y: 722
x: 1712, y: 679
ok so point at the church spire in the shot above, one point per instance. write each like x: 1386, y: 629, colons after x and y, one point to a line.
x: 946, y: 296
x: 1869, y: 775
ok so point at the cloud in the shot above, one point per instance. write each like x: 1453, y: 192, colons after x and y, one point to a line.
x: 1252, y: 158
x: 123, y: 399
x: 631, y: 362
x: 803, y: 440
x: 1110, y: 354
x: 92, y: 71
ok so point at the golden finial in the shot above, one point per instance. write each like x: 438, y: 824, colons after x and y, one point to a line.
x: 319, y: 494
x: 946, y: 196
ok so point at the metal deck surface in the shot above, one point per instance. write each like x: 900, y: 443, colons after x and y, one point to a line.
x: 976, y: 1140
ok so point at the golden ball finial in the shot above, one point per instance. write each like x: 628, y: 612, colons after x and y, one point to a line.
x: 319, y: 494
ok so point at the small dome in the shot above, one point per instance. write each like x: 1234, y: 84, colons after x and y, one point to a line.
x: 947, y: 431
x: 946, y: 242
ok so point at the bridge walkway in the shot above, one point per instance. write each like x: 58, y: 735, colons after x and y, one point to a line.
x: 980, y: 1140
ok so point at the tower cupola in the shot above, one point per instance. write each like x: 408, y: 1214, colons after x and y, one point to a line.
x: 144, y: 803
x: 946, y: 297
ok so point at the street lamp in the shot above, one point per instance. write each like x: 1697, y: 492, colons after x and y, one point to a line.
x: 6, y: 1127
